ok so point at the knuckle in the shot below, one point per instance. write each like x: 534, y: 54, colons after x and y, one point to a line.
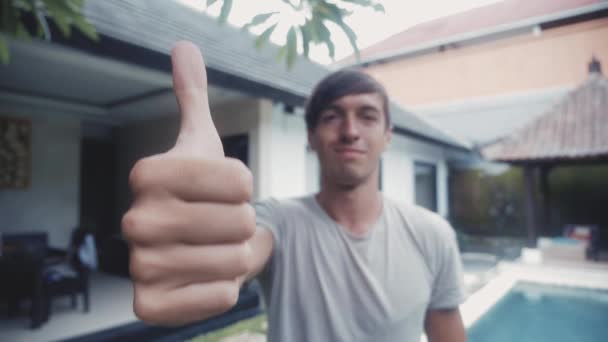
x: 247, y: 221
x: 228, y: 296
x: 139, y: 177
x: 131, y: 224
x: 243, y: 180
x: 243, y: 258
x: 142, y: 268
x: 147, y: 306
x: 137, y: 226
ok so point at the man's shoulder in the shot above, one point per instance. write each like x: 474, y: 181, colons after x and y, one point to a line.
x: 284, y: 216
x: 422, y: 221
x: 284, y: 210
x: 285, y: 204
x: 431, y: 233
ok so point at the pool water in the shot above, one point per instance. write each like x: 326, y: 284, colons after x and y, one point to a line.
x: 536, y: 313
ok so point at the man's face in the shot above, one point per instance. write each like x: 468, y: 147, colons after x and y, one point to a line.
x: 350, y: 137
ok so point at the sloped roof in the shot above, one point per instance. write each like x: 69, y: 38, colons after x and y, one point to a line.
x: 480, y: 19
x: 147, y: 29
x: 576, y: 129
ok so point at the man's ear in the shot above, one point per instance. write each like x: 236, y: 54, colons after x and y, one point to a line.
x: 388, y: 137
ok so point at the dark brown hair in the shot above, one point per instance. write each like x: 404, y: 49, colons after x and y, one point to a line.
x: 338, y: 84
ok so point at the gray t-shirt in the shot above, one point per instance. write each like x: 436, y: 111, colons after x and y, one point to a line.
x: 322, y: 283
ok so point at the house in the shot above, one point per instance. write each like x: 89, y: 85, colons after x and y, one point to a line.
x: 487, y: 71
x: 97, y: 107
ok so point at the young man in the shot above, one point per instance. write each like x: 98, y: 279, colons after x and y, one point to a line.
x: 345, y: 264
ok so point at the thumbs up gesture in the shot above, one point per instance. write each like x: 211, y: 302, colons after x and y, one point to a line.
x: 190, y: 223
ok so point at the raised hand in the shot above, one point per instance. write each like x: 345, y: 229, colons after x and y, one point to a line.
x: 190, y: 223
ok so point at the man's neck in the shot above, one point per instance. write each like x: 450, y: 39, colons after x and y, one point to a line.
x: 357, y: 209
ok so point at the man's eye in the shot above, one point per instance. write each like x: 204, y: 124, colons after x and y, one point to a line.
x: 328, y: 117
x: 370, y: 117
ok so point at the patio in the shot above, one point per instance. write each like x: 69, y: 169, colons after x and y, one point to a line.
x: 111, y: 305
x: 487, y: 278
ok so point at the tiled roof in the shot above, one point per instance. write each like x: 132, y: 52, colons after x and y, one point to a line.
x: 575, y: 129
x: 155, y: 25
x: 477, y: 19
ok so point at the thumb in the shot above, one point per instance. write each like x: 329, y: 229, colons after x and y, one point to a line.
x: 197, y: 134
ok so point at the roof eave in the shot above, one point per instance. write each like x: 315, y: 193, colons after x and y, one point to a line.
x: 494, y: 33
x: 555, y: 160
x: 112, y: 48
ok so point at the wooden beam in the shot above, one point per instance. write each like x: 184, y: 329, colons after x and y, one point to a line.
x: 545, y: 200
x: 530, y: 202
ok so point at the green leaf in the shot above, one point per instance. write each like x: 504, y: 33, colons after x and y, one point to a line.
x: 335, y: 14
x: 296, y: 8
x: 64, y: 7
x: 306, y: 38
x: 292, y: 47
x: 63, y: 24
x: 61, y: 15
x: 379, y: 8
x: 226, y: 7
x: 264, y: 37
x: 367, y: 3
x: 331, y: 11
x: 67, y: 13
x: 321, y: 9
x: 75, y: 5
x: 86, y: 28
x: 313, y: 29
x: 359, y: 2
x: 5, y: 55
x: 258, y: 19
x: 325, y: 36
x: 352, y: 37
x: 282, y: 52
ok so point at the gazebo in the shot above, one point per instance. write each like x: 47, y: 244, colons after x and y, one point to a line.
x: 573, y: 132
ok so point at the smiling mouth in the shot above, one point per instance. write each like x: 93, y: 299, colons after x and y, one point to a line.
x: 349, y: 152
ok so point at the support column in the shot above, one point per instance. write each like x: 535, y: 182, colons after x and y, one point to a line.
x: 530, y: 202
x: 545, y: 201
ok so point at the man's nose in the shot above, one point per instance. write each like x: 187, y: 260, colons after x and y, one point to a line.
x: 349, y: 129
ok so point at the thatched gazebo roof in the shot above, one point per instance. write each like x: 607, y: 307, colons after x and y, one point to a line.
x: 574, y: 130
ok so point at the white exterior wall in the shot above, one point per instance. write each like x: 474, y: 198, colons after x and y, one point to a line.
x: 51, y: 202
x: 277, y: 145
x: 283, y: 154
x: 398, y: 170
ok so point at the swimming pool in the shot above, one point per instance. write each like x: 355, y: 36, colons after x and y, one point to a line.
x: 535, y: 313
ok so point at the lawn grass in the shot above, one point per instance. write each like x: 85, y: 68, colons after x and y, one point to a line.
x: 255, y: 325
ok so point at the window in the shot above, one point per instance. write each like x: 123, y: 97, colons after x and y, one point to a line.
x: 425, y: 185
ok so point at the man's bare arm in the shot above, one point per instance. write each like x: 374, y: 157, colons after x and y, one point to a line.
x: 444, y: 325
